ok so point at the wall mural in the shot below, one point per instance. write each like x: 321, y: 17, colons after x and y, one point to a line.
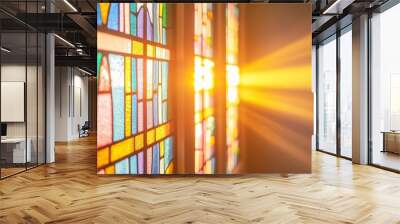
x: 168, y: 98
x: 134, y: 131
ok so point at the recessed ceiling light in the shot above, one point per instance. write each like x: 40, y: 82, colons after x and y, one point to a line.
x: 70, y: 5
x: 84, y: 71
x: 65, y: 41
x: 5, y: 50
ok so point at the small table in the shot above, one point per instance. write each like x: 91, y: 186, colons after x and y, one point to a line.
x: 391, y: 141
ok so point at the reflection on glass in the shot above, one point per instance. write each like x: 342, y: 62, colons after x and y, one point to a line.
x: 22, y: 91
x: 327, y: 96
x: 41, y: 150
x: 14, y: 153
x: 346, y: 94
x: 31, y: 98
x: 386, y: 89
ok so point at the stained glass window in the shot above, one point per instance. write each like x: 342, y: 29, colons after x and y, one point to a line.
x: 232, y: 77
x: 134, y: 130
x: 204, y: 89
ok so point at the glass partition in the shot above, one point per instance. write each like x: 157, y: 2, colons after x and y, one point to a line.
x: 22, y: 94
x: 327, y: 95
x: 346, y: 93
x: 13, y: 94
x: 385, y: 89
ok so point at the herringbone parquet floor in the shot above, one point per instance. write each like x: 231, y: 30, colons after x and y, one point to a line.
x: 70, y: 192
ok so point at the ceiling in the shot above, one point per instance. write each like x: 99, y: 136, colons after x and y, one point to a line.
x: 74, y: 22
x: 332, y: 15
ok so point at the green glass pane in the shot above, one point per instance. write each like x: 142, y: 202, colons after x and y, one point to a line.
x: 164, y: 15
x: 133, y: 7
x: 99, y: 57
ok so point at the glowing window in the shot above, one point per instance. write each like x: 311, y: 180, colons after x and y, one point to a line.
x: 232, y: 78
x: 204, y: 89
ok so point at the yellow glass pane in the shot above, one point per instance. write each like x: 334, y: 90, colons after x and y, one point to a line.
x: 170, y: 168
x: 160, y: 132
x: 122, y: 149
x: 150, y: 137
x: 208, y: 112
x: 110, y: 169
x: 150, y: 50
x: 104, y: 11
x: 137, y: 48
x: 128, y: 114
x: 102, y: 157
x: 139, y: 142
x: 128, y: 75
x: 198, y: 117
x: 162, y: 149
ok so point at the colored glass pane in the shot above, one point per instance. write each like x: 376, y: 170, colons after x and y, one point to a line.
x: 133, y: 165
x: 117, y: 86
x: 113, y: 17
x: 122, y: 167
x: 134, y: 115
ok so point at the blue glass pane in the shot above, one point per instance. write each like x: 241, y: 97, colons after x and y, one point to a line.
x: 164, y: 36
x: 117, y: 85
x: 134, y: 164
x: 155, y: 109
x: 98, y: 15
x: 134, y: 114
x: 134, y: 81
x: 167, y: 151
x: 113, y: 17
x: 155, y: 75
x: 122, y: 167
x: 156, y: 159
x: 164, y: 112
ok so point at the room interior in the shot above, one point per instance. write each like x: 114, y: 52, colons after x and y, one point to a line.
x: 204, y: 113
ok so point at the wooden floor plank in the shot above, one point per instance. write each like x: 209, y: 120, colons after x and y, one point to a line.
x: 69, y: 191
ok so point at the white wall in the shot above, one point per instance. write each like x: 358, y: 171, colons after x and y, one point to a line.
x: 16, y: 73
x: 34, y: 125
x: 71, y: 102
